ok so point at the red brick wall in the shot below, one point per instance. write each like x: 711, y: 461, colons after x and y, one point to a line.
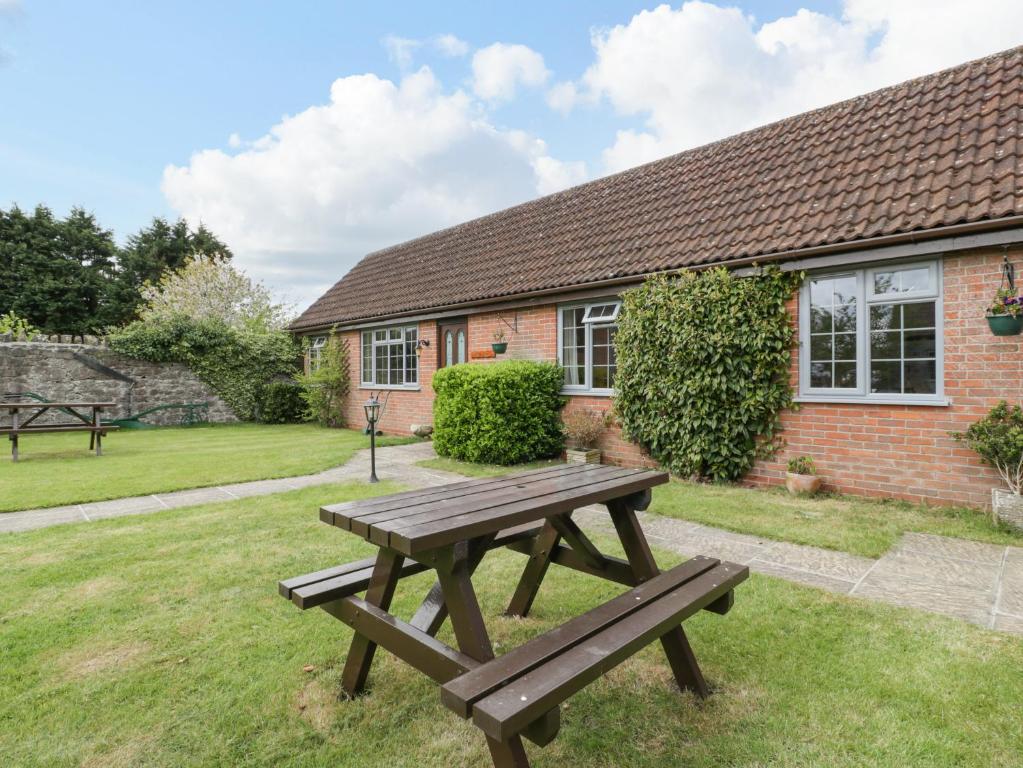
x: 905, y: 451
x: 873, y: 450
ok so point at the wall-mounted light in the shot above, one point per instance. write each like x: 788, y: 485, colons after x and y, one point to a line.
x: 419, y: 346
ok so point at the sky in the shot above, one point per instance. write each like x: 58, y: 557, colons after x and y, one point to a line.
x: 308, y: 134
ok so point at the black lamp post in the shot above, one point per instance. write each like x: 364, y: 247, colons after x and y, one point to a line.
x: 372, y: 408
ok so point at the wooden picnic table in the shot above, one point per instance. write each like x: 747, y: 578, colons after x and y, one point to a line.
x: 449, y: 529
x: 90, y: 423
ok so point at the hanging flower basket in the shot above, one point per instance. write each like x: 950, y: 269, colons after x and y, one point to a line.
x: 499, y: 347
x: 1005, y: 325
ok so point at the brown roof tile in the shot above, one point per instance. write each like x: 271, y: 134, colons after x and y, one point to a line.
x: 931, y: 152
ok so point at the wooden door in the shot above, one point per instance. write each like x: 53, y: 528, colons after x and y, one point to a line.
x: 452, y: 342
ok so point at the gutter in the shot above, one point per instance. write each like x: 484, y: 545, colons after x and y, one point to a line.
x: 884, y: 245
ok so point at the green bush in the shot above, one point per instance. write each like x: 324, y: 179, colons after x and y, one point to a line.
x: 18, y: 327
x: 235, y: 363
x: 280, y: 402
x: 703, y: 368
x: 998, y: 439
x: 504, y: 413
x: 325, y: 390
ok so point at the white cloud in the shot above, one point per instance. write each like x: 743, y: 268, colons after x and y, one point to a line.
x: 702, y: 72
x: 10, y: 7
x: 380, y: 163
x: 401, y: 49
x: 562, y: 97
x: 450, y: 46
x: 234, y: 141
x: 499, y: 69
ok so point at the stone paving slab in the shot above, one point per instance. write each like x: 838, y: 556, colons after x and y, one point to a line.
x: 101, y: 510
x: 16, y: 522
x: 963, y: 602
x: 944, y: 546
x: 825, y: 562
x: 808, y: 578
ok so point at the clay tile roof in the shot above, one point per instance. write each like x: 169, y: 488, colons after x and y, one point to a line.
x: 936, y: 151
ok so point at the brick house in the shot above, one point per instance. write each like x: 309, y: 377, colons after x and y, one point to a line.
x: 901, y: 205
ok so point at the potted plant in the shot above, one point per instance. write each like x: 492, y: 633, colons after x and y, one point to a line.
x: 500, y: 345
x: 998, y: 439
x: 583, y: 429
x: 1005, y: 315
x: 802, y: 476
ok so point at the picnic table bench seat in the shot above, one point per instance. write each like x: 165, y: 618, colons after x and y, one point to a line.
x: 83, y: 423
x: 508, y: 694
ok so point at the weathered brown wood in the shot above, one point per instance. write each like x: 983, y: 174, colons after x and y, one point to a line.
x: 473, y: 640
x: 432, y: 612
x: 723, y: 604
x: 460, y: 694
x: 437, y: 534
x: 386, y: 573
x: 535, y: 570
x: 579, y: 542
x: 44, y: 428
x: 29, y: 405
x: 676, y: 646
x: 522, y: 493
x: 509, y: 709
x: 285, y: 586
x: 405, y: 499
x: 351, y: 583
x: 430, y: 656
x: 462, y: 499
x: 615, y: 569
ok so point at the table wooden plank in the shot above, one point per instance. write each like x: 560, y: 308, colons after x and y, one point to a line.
x: 360, y: 523
x: 536, y: 488
x: 353, y: 509
x: 38, y: 404
x: 453, y: 529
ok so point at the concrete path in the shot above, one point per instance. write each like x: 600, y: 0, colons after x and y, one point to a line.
x: 981, y: 583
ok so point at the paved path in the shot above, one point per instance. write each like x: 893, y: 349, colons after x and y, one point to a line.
x: 981, y: 583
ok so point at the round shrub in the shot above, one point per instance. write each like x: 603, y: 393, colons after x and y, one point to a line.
x: 504, y: 413
x: 703, y: 368
x: 280, y: 402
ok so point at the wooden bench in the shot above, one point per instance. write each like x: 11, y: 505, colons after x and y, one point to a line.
x: 506, y: 695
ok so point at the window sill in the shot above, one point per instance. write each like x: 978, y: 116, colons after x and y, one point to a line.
x: 390, y: 387
x: 937, y: 402
x: 588, y: 392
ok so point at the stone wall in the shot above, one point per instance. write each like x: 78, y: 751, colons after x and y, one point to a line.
x: 92, y: 372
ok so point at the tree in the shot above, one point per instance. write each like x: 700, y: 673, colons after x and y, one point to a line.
x: 208, y: 289
x: 325, y: 389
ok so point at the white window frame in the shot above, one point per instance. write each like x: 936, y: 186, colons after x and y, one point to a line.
x: 865, y: 298
x: 316, y: 345
x: 589, y: 324
x: 374, y: 343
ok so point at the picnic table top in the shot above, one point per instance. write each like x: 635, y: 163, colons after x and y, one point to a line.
x: 32, y: 404
x: 426, y: 519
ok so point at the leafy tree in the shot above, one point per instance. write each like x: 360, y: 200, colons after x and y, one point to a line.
x: 325, y: 389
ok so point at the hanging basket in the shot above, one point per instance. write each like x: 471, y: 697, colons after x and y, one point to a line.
x: 1005, y: 325
x: 499, y: 347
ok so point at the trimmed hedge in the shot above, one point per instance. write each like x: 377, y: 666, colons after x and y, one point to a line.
x: 503, y: 413
x: 280, y: 402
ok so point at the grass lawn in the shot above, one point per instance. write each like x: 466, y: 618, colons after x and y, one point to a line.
x: 160, y: 640
x: 846, y: 523
x: 57, y: 469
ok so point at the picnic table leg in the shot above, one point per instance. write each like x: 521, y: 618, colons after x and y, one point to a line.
x: 473, y: 640
x: 535, y: 570
x: 14, y: 435
x: 98, y: 435
x: 675, y: 643
x: 382, y: 583
x: 432, y: 612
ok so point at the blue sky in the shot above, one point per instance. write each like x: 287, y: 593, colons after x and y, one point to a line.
x: 99, y: 99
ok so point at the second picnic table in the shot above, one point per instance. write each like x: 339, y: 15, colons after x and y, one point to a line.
x: 449, y: 529
x: 81, y: 422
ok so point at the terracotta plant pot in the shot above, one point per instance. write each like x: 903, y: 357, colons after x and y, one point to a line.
x: 1005, y: 325
x: 575, y: 456
x: 802, y: 484
x: 1008, y: 507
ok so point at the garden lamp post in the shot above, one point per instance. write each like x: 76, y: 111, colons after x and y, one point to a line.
x: 372, y: 408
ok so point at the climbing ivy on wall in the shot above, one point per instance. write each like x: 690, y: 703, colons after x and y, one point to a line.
x: 703, y: 368
x: 236, y: 364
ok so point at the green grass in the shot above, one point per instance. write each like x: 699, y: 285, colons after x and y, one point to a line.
x: 161, y: 641
x: 845, y: 523
x: 483, y: 470
x: 57, y: 469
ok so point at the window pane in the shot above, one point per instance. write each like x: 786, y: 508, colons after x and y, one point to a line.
x: 821, y: 348
x: 845, y: 346
x: 845, y: 318
x: 367, y: 357
x: 885, y: 346
x: 820, y: 375
x: 885, y: 317
x: 381, y: 336
x: 844, y: 289
x: 918, y: 344
x: 885, y: 282
x: 461, y: 346
x: 602, y: 337
x: 918, y: 315
x: 845, y: 375
x: 600, y: 380
x: 820, y: 320
x: 381, y: 375
x: 449, y: 348
x: 886, y: 377
x: 915, y: 279
x: 573, y: 346
x: 921, y: 377
x: 395, y: 334
x: 822, y: 293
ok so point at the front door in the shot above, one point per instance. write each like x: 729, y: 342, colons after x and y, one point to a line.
x: 453, y: 342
